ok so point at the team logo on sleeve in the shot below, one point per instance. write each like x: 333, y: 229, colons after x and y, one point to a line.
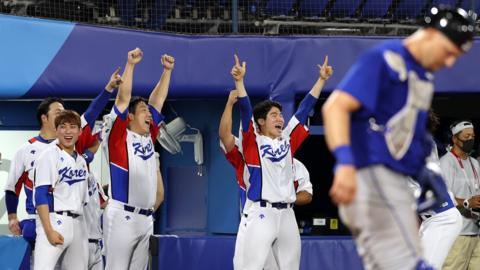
x: 70, y: 176
x: 144, y: 152
x: 275, y: 155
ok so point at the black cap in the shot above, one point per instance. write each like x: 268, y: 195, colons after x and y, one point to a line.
x: 456, y: 24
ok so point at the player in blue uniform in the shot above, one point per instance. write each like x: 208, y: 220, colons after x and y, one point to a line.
x: 375, y: 124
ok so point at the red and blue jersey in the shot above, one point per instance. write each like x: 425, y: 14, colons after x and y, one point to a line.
x: 270, y: 161
x: 236, y: 159
x: 131, y: 158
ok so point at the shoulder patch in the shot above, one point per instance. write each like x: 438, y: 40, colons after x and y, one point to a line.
x: 396, y: 63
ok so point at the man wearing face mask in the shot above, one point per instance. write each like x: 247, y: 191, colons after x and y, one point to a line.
x: 461, y: 174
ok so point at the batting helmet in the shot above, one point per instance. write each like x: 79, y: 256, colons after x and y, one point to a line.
x: 457, y: 24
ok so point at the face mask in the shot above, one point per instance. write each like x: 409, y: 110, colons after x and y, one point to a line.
x: 467, y: 145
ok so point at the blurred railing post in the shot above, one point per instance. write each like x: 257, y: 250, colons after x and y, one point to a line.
x: 235, y: 16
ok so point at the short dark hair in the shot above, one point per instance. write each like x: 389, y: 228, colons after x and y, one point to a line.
x: 68, y: 116
x: 134, y: 101
x: 44, y: 107
x: 433, y: 121
x: 261, y: 109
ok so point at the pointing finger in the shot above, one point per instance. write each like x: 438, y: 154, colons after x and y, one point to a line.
x: 237, y: 61
x: 325, y: 63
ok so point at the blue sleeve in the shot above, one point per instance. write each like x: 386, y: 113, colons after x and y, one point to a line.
x: 88, y: 156
x: 96, y: 107
x: 245, y: 112
x: 156, y: 115
x: 11, y: 200
x: 364, y: 79
x: 305, y: 107
x: 41, y: 195
x: 122, y: 115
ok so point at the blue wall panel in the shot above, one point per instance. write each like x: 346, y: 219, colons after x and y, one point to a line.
x: 277, y: 66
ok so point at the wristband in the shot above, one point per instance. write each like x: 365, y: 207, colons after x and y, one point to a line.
x: 343, y: 155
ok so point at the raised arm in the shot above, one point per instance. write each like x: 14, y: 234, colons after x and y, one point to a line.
x: 98, y: 104
x: 325, y: 73
x: 238, y: 73
x: 125, y: 89
x: 307, y: 104
x: 160, y: 92
x: 225, y: 128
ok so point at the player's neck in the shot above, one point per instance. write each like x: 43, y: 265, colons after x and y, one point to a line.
x: 413, y: 45
x: 47, y: 134
x: 69, y: 150
x: 137, y: 130
x: 459, y: 153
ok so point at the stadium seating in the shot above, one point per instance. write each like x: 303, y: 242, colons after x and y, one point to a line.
x: 410, y: 9
x: 312, y: 8
x: 345, y: 8
x: 376, y: 8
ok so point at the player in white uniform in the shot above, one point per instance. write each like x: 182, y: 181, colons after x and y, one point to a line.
x: 60, y: 191
x: 21, y: 168
x: 441, y: 225
x: 304, y: 192
x: 129, y: 133
x: 268, y: 149
x: 93, y: 214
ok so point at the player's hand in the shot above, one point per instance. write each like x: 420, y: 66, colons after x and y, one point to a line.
x: 238, y: 71
x: 55, y: 238
x: 135, y: 56
x: 115, y: 80
x: 232, y: 97
x: 168, y: 62
x: 474, y: 202
x: 326, y: 71
x: 14, y: 226
x: 344, y: 185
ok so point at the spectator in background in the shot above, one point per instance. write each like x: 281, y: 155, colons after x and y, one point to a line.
x: 461, y: 175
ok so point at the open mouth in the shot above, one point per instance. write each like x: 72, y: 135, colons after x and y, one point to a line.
x: 68, y: 138
x: 279, y: 127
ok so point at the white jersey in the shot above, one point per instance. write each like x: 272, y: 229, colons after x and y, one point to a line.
x: 93, y: 211
x: 462, y: 178
x: 67, y: 177
x: 21, y: 169
x: 270, y: 162
x: 22, y: 166
x: 302, y: 177
x: 131, y: 159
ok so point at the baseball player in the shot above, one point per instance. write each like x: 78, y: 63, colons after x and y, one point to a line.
x: 129, y: 133
x: 440, y: 226
x: 21, y: 169
x: 60, y: 191
x: 268, y: 148
x: 462, y: 176
x: 92, y: 212
x: 375, y: 124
